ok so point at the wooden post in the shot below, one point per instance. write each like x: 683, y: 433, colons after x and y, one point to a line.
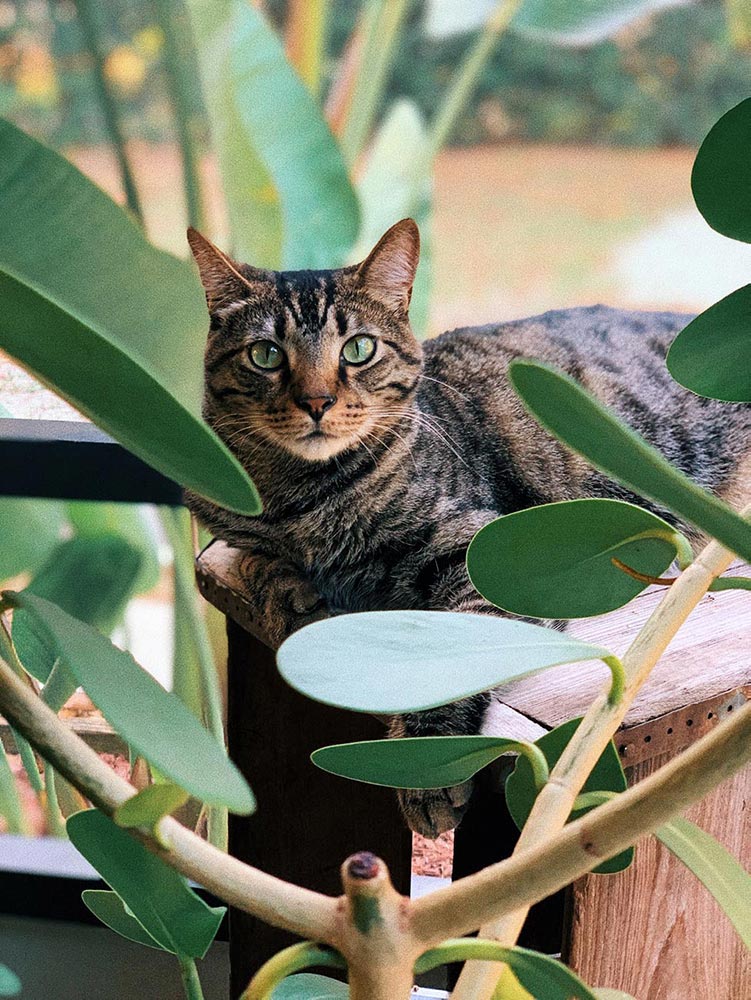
x: 307, y: 821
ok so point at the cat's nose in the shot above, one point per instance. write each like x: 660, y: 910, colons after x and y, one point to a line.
x: 316, y: 406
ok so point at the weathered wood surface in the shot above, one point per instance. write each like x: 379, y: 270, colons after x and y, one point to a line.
x: 94, y: 730
x: 654, y: 931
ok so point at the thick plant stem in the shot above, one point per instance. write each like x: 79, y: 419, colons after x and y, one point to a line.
x: 555, y: 861
x: 553, y: 806
x: 290, y: 907
x: 55, y: 821
x: 89, y: 29
x: 191, y: 982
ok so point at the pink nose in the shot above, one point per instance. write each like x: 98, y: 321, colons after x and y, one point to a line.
x: 316, y: 406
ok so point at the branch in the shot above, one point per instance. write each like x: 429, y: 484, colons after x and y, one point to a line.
x: 553, y: 805
x: 298, y: 910
x: 533, y: 874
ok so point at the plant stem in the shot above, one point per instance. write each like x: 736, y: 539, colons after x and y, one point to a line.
x: 191, y: 982
x: 24, y: 748
x: 178, y: 43
x: 382, y: 21
x: 55, y: 821
x: 10, y: 801
x: 305, y: 33
x: 466, y: 76
x: 90, y: 31
x: 554, y: 804
x: 284, y: 963
x: 308, y: 914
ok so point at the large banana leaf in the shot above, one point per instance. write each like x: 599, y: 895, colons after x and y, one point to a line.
x: 113, y: 324
x: 266, y: 119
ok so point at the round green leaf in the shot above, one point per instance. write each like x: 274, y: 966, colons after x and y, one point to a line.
x: 408, y: 661
x: 555, y: 560
x: 309, y: 986
x: 110, y: 909
x: 154, y: 722
x: 79, y: 281
x: 414, y: 762
x: 712, y: 355
x: 588, y: 427
x: 721, y: 178
x: 127, y: 520
x: 10, y: 984
x: 606, y: 775
x: 160, y: 900
x: 150, y: 805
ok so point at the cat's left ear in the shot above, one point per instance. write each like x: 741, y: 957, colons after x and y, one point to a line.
x: 388, y: 272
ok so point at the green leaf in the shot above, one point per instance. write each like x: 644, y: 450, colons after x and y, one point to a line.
x: 128, y: 520
x: 712, y: 355
x: 445, y: 655
x: 544, y: 977
x: 245, y: 68
x: 150, y: 805
x: 154, y: 722
x: 110, y: 909
x: 588, y: 427
x: 309, y: 986
x: 79, y: 280
x: 721, y: 178
x: 91, y: 579
x: 555, y: 560
x: 606, y: 775
x: 31, y: 530
x: 10, y: 984
x: 416, y: 762
x: 584, y: 23
x: 159, y: 899
x: 716, y: 868
x: 11, y: 808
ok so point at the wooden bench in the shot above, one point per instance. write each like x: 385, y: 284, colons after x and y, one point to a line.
x: 653, y: 930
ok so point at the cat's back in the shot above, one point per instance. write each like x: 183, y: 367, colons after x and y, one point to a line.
x: 618, y: 355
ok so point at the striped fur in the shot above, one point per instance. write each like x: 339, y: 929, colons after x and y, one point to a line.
x: 427, y: 444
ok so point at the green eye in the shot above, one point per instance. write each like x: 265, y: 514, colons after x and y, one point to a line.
x: 358, y: 350
x: 265, y: 354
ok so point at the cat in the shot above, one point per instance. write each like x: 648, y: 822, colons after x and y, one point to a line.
x: 378, y: 458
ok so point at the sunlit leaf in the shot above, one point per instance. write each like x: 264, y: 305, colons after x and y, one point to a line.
x: 10, y: 984
x: 110, y: 909
x: 716, y: 868
x: 583, y: 23
x: 249, y: 82
x: 309, y: 986
x: 128, y: 520
x: 556, y: 560
x: 154, y: 722
x: 414, y: 762
x: 159, y: 898
x: 721, y: 178
x: 78, y: 280
x: 544, y: 977
x: 445, y: 656
x: 150, y: 804
x: 92, y: 579
x: 712, y: 355
x: 588, y: 427
x: 606, y: 775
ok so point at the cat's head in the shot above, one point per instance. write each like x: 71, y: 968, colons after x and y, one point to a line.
x: 313, y: 361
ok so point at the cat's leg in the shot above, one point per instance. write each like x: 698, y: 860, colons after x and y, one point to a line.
x: 281, y: 597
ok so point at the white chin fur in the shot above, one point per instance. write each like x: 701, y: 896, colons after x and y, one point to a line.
x: 318, y: 449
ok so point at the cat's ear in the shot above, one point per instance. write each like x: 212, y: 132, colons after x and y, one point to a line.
x: 388, y: 272
x: 221, y: 277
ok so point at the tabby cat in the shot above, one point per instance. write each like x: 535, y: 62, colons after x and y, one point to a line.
x: 378, y: 458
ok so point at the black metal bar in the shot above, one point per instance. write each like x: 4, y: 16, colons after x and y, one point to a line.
x: 74, y: 460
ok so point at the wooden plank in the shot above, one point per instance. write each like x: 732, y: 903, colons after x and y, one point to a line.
x: 709, y: 656
x: 654, y: 930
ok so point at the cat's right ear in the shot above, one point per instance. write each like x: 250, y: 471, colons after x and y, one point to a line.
x: 222, y: 280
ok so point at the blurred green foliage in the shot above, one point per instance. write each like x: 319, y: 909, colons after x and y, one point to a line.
x: 662, y: 82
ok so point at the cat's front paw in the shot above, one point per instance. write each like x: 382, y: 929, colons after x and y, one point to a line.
x: 433, y: 811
